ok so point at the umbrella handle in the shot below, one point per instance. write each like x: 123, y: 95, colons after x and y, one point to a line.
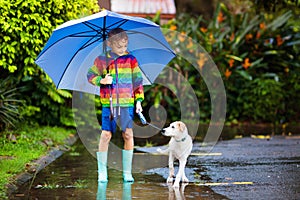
x: 142, y: 118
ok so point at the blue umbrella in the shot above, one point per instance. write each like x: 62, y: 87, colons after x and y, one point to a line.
x: 74, y: 45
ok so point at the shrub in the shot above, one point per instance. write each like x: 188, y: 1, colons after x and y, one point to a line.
x: 9, y: 104
x: 258, y: 57
x: 25, y: 27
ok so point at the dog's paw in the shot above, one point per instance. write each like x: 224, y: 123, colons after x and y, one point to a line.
x: 185, y: 180
x: 176, y: 185
x: 170, y: 179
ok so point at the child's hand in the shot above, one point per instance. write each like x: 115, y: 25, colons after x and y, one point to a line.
x: 107, y: 80
x: 139, y: 107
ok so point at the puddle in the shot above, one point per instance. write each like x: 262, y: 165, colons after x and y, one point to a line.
x: 74, y: 176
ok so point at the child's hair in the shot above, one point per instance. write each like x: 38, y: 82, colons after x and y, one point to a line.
x: 117, y: 34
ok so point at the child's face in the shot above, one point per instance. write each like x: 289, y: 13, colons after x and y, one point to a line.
x: 119, y: 47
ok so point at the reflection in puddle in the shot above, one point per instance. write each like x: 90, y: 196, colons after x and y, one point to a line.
x: 102, y: 190
x: 128, y: 191
x: 177, y: 193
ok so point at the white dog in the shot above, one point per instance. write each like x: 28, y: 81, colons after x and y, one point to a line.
x: 180, y: 147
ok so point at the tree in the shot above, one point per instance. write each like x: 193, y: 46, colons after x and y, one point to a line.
x: 25, y: 28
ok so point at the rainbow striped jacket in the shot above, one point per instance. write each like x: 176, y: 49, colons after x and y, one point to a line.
x: 127, y: 85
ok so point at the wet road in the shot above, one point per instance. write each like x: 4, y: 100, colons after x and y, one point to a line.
x: 247, y: 168
x: 272, y: 165
x: 244, y: 168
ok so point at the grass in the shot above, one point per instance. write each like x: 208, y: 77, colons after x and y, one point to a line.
x: 29, y: 143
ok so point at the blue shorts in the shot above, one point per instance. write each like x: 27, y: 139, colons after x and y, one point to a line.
x: 125, y: 120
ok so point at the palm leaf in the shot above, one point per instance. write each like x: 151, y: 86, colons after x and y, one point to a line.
x: 279, y: 21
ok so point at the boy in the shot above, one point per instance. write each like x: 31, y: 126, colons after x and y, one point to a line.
x: 119, y: 76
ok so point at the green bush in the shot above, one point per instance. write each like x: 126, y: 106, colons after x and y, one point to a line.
x: 268, y: 100
x: 25, y: 28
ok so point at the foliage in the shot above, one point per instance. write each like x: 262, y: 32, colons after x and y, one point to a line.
x: 25, y: 27
x: 9, y: 104
x: 21, y: 146
x: 268, y: 101
x: 51, y: 108
x: 273, y: 5
x: 258, y: 57
x: 258, y: 49
x: 259, y: 6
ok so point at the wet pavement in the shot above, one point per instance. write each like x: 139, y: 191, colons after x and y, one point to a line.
x: 272, y: 165
x: 243, y: 168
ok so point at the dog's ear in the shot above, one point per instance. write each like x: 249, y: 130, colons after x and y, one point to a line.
x: 181, y: 126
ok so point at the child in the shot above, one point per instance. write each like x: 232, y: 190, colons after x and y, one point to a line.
x: 119, y: 76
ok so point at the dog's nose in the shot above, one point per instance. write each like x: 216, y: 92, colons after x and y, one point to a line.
x: 162, y: 131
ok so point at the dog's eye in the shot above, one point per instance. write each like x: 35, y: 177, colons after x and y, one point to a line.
x: 172, y: 126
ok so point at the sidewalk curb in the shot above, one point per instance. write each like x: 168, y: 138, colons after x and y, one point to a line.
x: 39, y: 164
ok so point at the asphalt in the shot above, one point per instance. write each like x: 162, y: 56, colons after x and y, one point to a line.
x: 248, y: 168
x: 271, y: 165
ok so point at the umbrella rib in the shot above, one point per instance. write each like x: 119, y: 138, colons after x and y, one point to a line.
x: 104, y: 30
x: 91, y: 26
x: 146, y: 75
x: 72, y: 35
x: 88, y: 43
x: 120, y: 23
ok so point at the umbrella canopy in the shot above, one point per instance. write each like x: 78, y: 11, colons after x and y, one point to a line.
x: 74, y: 45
